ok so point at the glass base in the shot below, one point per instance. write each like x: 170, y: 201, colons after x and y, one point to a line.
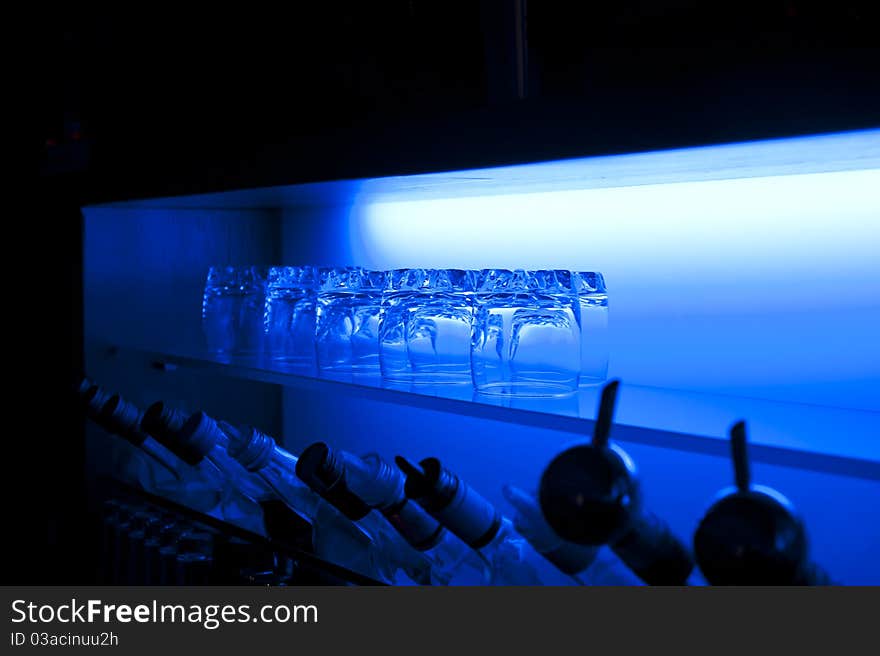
x: 527, y: 389
x: 428, y: 378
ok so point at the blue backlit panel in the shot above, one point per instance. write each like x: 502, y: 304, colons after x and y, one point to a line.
x: 746, y: 269
x: 765, y: 286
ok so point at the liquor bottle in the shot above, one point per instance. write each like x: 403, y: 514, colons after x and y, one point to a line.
x: 471, y: 518
x: 590, y: 494
x: 751, y: 534
x: 162, y: 421
x: 194, y: 487
x: 336, y: 538
x: 587, y: 565
x: 200, y: 444
x: 149, y: 465
x: 375, y: 484
x: 326, y: 478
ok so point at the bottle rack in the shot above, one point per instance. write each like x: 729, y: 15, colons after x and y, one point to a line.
x: 123, y: 561
x: 664, y: 418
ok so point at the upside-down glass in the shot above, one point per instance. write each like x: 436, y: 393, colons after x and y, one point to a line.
x: 425, y: 329
x: 593, y: 301
x: 347, y: 328
x: 290, y: 317
x: 232, y: 312
x: 526, y: 334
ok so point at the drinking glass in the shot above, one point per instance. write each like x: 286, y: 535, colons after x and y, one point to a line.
x: 232, y: 312
x: 425, y: 328
x: 349, y: 301
x: 526, y: 335
x: 593, y: 302
x: 290, y: 317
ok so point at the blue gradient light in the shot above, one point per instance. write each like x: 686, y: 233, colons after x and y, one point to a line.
x: 758, y: 285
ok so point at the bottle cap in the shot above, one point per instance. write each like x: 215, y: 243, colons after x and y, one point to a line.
x: 447, y: 498
x: 250, y: 447
x: 83, y: 385
x: 750, y: 538
x: 124, y: 419
x: 320, y: 469
x: 163, y: 422
x: 751, y: 534
x: 93, y: 400
x: 195, y: 439
x: 590, y: 493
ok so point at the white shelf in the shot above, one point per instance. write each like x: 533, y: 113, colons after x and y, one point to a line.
x: 820, y: 438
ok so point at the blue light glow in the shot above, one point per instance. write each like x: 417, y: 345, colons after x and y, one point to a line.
x: 766, y: 285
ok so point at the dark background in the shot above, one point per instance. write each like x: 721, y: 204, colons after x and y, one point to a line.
x: 140, y: 103
x: 341, y: 89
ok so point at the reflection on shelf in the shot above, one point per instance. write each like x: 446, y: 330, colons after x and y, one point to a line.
x: 820, y: 438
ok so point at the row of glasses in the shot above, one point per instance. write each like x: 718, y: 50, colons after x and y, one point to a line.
x: 508, y: 332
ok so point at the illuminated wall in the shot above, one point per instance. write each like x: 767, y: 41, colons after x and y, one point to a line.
x: 756, y: 285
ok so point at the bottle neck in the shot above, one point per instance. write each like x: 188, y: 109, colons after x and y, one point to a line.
x: 381, y: 486
x: 163, y: 457
x: 372, y: 479
x: 453, y: 503
x: 324, y: 471
x: 123, y: 418
x: 279, y: 474
x: 245, y: 482
x: 254, y: 449
x: 164, y: 424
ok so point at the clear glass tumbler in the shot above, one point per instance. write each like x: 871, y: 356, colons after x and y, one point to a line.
x: 232, y: 312
x: 526, y: 334
x: 425, y: 329
x: 593, y: 302
x: 347, y: 328
x: 291, y: 295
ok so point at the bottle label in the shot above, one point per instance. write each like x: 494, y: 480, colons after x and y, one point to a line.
x: 470, y: 517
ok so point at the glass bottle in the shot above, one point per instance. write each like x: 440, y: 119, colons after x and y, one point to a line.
x: 472, y: 518
x: 148, y: 465
x: 212, y: 484
x: 336, y: 538
x: 336, y: 474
